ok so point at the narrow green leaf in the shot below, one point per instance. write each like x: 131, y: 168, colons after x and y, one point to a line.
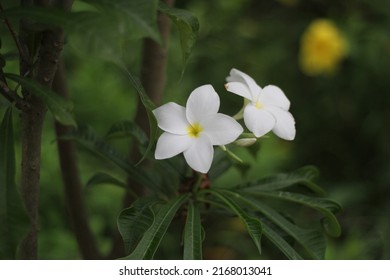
x: 188, y: 26
x: 86, y: 137
x: 14, y: 222
x: 142, y: 14
x: 252, y: 224
x: 312, y: 241
x: 279, y: 242
x: 193, y: 234
x: 303, y: 176
x: 104, y: 178
x: 149, y: 106
x: 59, y: 107
x: 149, y: 243
x: 326, y: 206
x: 133, y: 222
x: 126, y: 129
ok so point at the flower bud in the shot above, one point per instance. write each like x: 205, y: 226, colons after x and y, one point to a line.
x: 245, y: 142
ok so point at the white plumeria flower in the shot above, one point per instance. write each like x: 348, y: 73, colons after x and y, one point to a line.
x: 195, y: 129
x: 267, y: 108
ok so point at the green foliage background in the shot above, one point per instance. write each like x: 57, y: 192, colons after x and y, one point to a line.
x: 342, y: 119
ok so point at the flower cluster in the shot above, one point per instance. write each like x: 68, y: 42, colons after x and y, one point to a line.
x: 194, y: 130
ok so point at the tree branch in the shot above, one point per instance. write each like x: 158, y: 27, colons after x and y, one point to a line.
x: 22, y: 54
x: 71, y: 179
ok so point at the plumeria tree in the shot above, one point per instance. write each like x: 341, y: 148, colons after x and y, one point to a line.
x: 170, y: 173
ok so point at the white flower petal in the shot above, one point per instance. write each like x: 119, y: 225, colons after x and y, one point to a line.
x: 239, y: 76
x: 221, y: 129
x: 285, y: 123
x: 171, y: 117
x: 203, y: 101
x: 240, y: 89
x: 199, y: 155
x: 258, y: 121
x: 170, y: 145
x: 272, y: 95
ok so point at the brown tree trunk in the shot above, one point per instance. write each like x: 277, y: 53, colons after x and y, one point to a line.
x: 32, y: 120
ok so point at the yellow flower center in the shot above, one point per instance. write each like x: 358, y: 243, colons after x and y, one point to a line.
x: 259, y: 105
x: 194, y: 130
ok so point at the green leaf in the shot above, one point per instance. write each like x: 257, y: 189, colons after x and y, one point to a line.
x: 39, y: 16
x: 279, y: 242
x: 193, y: 234
x: 106, y: 26
x: 86, y: 137
x: 125, y: 129
x: 104, y: 178
x: 188, y: 26
x: 14, y: 222
x: 312, y: 241
x: 59, y: 107
x: 302, y: 176
x: 137, y: 17
x: 149, y: 243
x: 149, y: 106
x: 253, y: 225
x: 130, y: 19
x: 133, y: 222
x: 326, y: 206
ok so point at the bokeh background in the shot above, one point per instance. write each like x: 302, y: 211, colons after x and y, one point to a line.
x: 341, y: 107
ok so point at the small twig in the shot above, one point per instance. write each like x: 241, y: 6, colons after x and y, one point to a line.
x: 12, y: 96
x: 14, y: 36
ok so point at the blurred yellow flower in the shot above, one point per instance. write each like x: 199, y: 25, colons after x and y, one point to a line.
x: 322, y: 48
